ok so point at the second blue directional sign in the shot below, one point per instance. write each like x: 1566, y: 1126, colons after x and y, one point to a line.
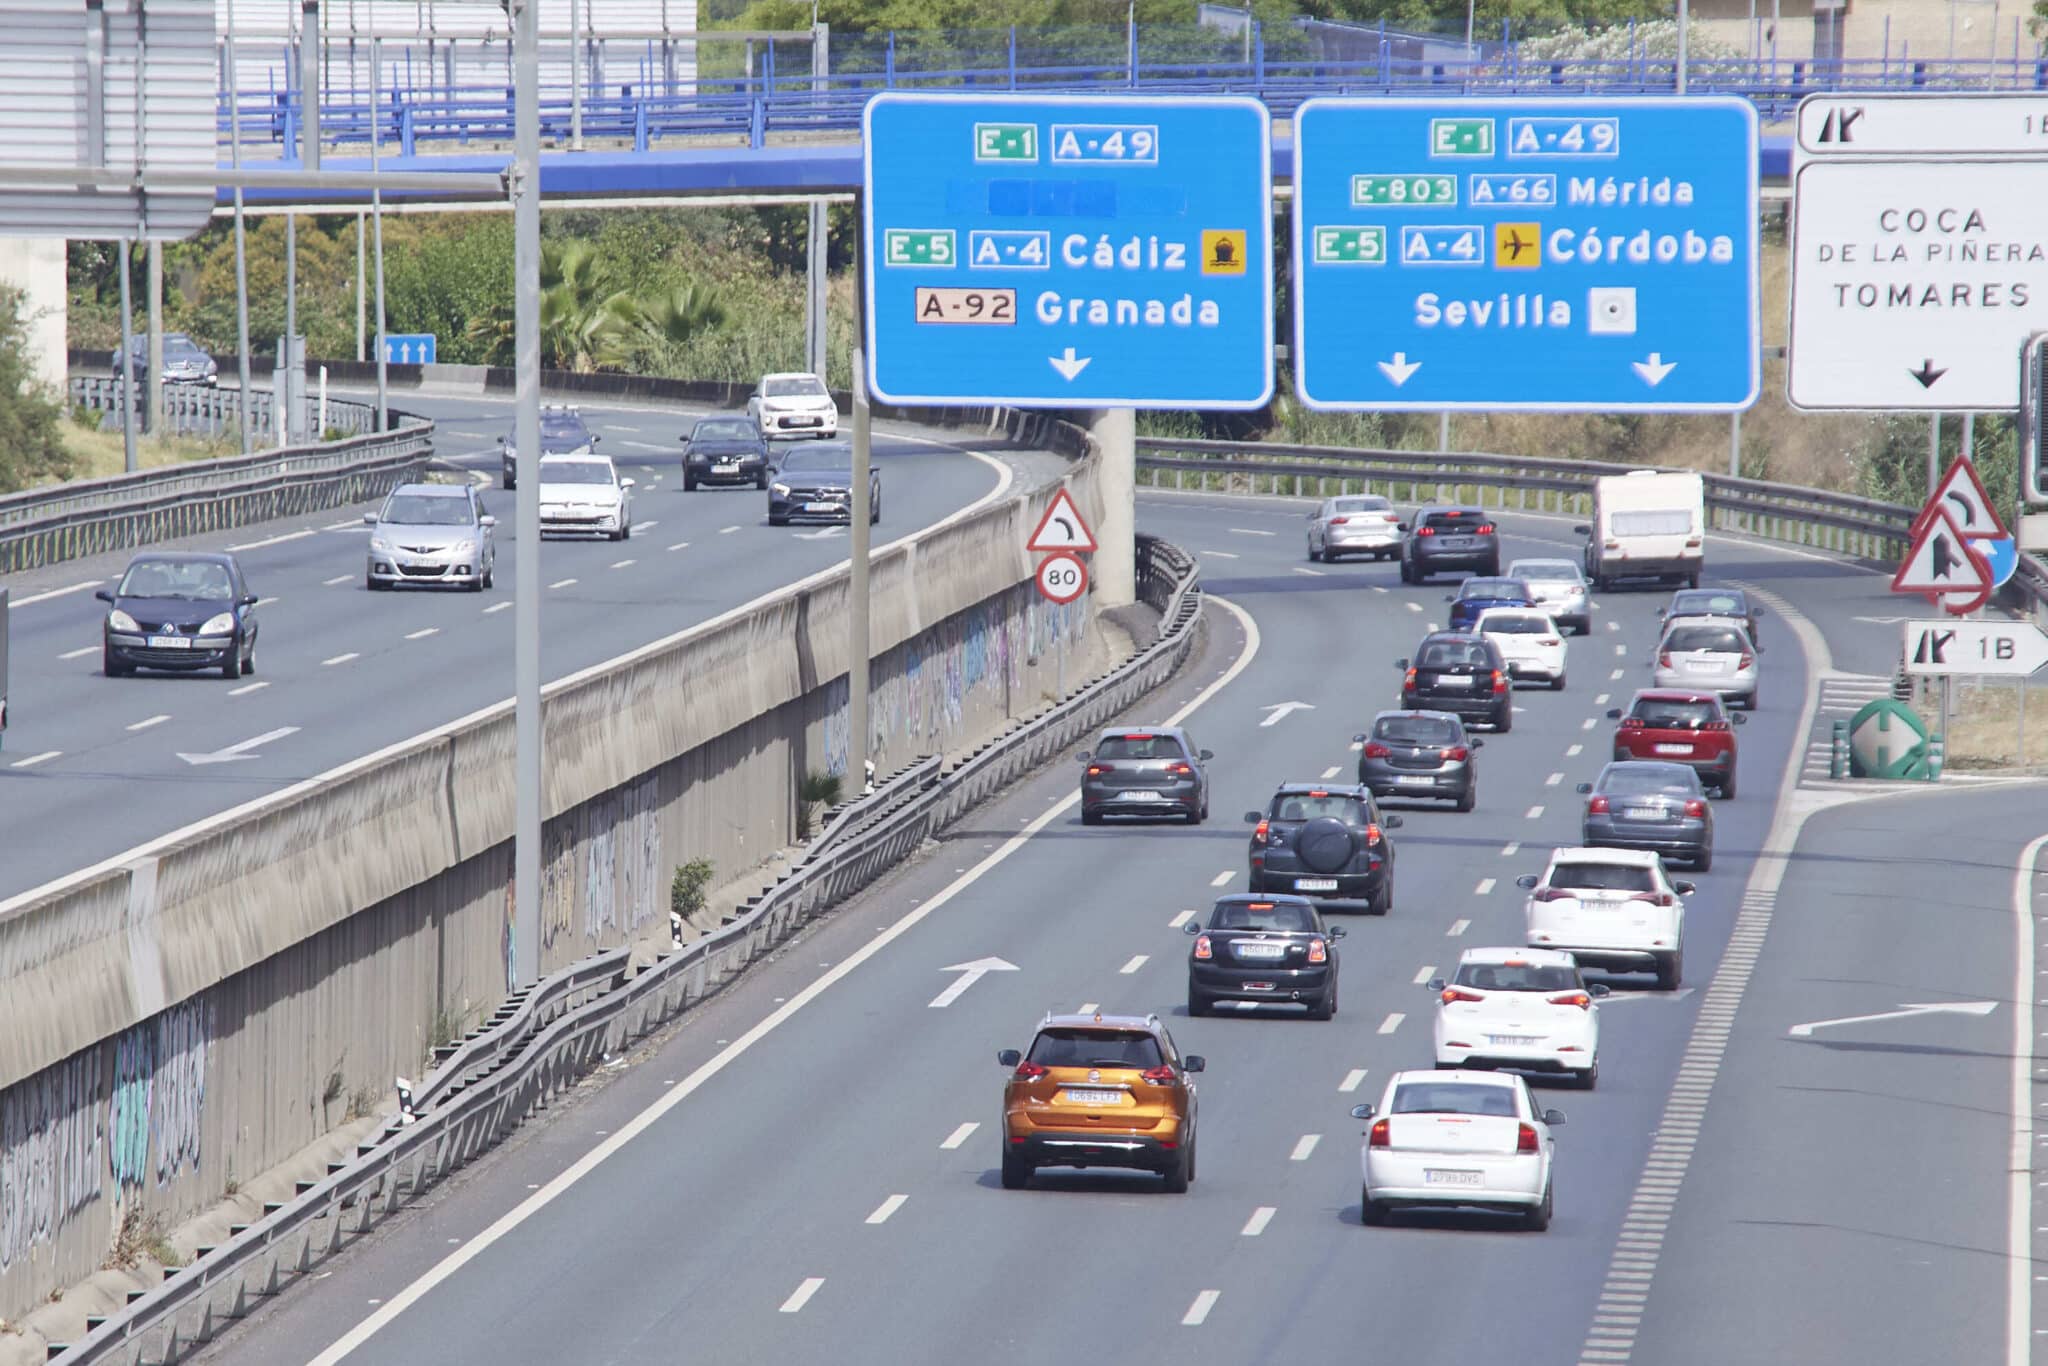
x: 1068, y: 251
x: 1536, y: 253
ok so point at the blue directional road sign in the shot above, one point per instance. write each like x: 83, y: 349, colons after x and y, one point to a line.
x: 1068, y: 251
x: 409, y: 348
x: 1537, y: 253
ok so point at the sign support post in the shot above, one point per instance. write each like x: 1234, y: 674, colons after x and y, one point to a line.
x: 857, y: 641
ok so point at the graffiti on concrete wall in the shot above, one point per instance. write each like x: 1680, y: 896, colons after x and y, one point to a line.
x: 604, y: 858
x: 52, y: 1153
x: 159, y: 1096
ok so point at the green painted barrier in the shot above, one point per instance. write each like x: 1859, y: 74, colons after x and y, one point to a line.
x: 1887, y: 739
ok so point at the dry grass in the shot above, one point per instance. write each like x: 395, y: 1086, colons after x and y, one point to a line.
x: 1985, y: 731
x: 100, y: 453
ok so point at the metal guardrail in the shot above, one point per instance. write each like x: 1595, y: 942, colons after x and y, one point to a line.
x: 1842, y: 523
x: 191, y: 409
x: 89, y: 516
x: 542, y: 1041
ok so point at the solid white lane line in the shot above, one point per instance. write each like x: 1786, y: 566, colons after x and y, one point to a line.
x: 1535, y: 813
x: 621, y: 564
x: 2019, y: 1250
x: 58, y: 593
x: 1553, y: 780
x: 561, y: 583
x: 1205, y: 1301
x: 680, y: 545
x: 340, y: 659
x: 247, y: 688
x: 727, y: 530
x: 497, y: 607
x: 1392, y: 1022
x: 1510, y: 849
x: 81, y: 652
x: 35, y: 759
x: 887, y: 1208
x: 1485, y: 886
x: 1303, y: 1146
x: 961, y: 1134
x: 801, y: 1296
x: 1222, y: 878
x: 1352, y: 1080
x: 147, y: 722
x: 1137, y: 961
x: 1574, y: 751
x: 1328, y: 773
x: 423, y: 633
x: 1183, y: 918
x: 1256, y: 1225
x: 1248, y: 531
x: 1424, y: 973
x: 424, y: 1284
x: 338, y: 578
x: 1457, y: 928
x: 277, y: 540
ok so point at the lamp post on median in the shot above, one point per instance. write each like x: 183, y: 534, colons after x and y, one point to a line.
x: 527, y: 733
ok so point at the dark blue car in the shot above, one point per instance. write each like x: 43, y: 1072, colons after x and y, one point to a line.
x: 1476, y: 595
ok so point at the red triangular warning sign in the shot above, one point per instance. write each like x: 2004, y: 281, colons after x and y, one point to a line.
x: 1962, y: 493
x: 1943, y: 565
x: 1062, y: 527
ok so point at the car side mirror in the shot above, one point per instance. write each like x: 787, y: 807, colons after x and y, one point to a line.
x: 1740, y: 719
x: 1756, y: 647
x: 1391, y: 822
x: 596, y: 437
x: 1582, y: 531
x: 1599, y: 989
x: 1437, y: 984
x: 1206, y: 755
x: 626, y: 483
x: 1192, y: 927
x: 1009, y: 1057
x: 1401, y: 663
x: 1684, y: 888
x: 1553, y: 1117
x: 1194, y: 1062
x: 1082, y: 757
x: 1526, y: 881
x: 104, y: 595
x: 487, y: 520
x: 1338, y: 931
x: 1584, y: 788
x: 1475, y: 744
x: 1253, y: 817
x: 1759, y: 611
x: 1449, y: 598
x: 1361, y: 1112
x: 369, y: 519
x: 1614, y: 713
x: 1358, y: 739
x: 248, y: 599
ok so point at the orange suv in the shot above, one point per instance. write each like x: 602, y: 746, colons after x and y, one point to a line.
x: 1100, y: 1091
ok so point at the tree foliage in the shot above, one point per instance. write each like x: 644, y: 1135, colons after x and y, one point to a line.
x: 31, y: 449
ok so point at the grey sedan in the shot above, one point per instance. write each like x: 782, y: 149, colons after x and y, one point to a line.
x: 1643, y: 804
x: 1419, y: 754
x: 1355, y: 524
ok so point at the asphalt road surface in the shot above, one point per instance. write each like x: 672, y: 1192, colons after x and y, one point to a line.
x: 92, y: 765
x: 806, y: 1171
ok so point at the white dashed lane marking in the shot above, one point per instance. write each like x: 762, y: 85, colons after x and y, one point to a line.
x: 338, y: 578
x: 1352, y: 1080
x: 1204, y: 1302
x: 802, y: 1294
x: 149, y: 721
x: 248, y: 688
x: 561, y: 583
x: 35, y: 759
x: 1457, y: 928
x: 1222, y: 878
x: 80, y: 653
x: 1392, y: 1022
x: 1261, y: 1217
x: 887, y: 1208
x: 1535, y: 813
x: 496, y: 607
x: 423, y: 633
x: 1485, y: 886
x: 339, y: 659
x: 960, y: 1135
x: 1137, y: 961
x: 1328, y: 773
x: 1303, y: 1146
x: 1424, y: 973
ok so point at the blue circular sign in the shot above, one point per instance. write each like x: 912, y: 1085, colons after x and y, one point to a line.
x: 2002, y: 554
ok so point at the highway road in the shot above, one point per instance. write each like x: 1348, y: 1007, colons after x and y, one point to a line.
x: 92, y: 765
x: 806, y: 1171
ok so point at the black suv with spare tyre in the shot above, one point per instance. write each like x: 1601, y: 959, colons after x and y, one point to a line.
x: 1325, y: 842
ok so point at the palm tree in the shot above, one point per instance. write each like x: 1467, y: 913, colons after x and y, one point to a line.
x: 582, y: 327
x: 665, y: 325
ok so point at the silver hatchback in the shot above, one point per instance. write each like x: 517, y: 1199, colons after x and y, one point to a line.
x: 1709, y: 654
x: 431, y: 534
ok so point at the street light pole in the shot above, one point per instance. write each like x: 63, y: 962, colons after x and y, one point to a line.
x: 241, y: 236
x: 526, y: 964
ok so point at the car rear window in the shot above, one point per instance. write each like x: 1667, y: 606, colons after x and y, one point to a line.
x: 1672, y: 715
x: 1298, y: 806
x: 1546, y: 570
x: 1452, y: 1098
x: 1690, y: 604
x: 1374, y: 504
x: 1095, y: 1048
x: 1651, y: 522
x: 1453, y: 521
x: 1603, y: 877
x: 1678, y: 782
x: 1517, y: 977
x: 1139, y: 747
x: 724, y: 429
x: 1450, y: 654
x: 1492, y: 588
x: 1514, y: 624
x: 1716, y: 639
x: 1280, y: 917
x: 1416, y: 730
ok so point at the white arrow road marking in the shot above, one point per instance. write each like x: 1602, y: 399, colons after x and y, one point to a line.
x: 1279, y: 711
x: 1979, y: 1008
x: 240, y: 751
x: 1399, y: 368
x: 1654, y: 369
x: 970, y: 974
x: 1068, y: 364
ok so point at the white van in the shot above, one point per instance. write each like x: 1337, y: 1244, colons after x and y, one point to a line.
x: 1647, y: 524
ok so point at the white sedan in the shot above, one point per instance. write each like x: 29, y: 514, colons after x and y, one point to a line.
x: 1457, y: 1138
x: 584, y: 493
x: 1529, y: 641
x: 793, y: 404
x: 1609, y: 908
x: 1523, y: 1008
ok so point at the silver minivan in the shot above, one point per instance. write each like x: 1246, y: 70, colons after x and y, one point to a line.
x: 431, y: 534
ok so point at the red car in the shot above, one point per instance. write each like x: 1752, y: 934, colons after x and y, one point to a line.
x: 1680, y: 727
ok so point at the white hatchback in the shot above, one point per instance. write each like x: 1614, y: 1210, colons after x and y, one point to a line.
x: 1529, y: 641
x: 1609, y: 908
x: 1457, y: 1138
x: 1520, y: 1008
x: 1709, y: 654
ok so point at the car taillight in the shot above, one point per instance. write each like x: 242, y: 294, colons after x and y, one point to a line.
x: 1598, y: 806
x: 1663, y: 899
x: 1339, y: 521
x: 1500, y: 681
x: 1716, y: 725
x: 1483, y: 529
x: 1549, y: 640
x: 1409, y: 680
x: 1372, y: 833
x: 1631, y: 723
x: 1663, y: 659
x: 1452, y: 995
x: 1379, y: 1138
x: 1095, y: 770
x: 1573, y: 998
x: 1455, y: 753
x: 1376, y: 750
x: 1260, y: 830
x: 1549, y: 894
x: 1030, y: 1071
x: 1525, y: 1138
x: 1611, y: 544
x: 1425, y: 531
x: 1748, y: 661
x: 1695, y: 807
x: 1183, y: 770
x: 1318, y: 951
x: 1158, y: 1076
x: 1202, y: 949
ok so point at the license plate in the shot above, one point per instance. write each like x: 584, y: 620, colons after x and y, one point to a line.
x: 726, y: 467
x: 1702, y: 666
x: 821, y: 507
x: 1453, y: 681
x: 1139, y: 796
x: 1261, y: 950
x: 1642, y: 813
x: 169, y: 643
x: 1674, y: 749
x: 1416, y: 780
x: 1511, y: 1040
x: 1095, y: 1098
x: 1315, y: 884
x: 800, y: 421
x: 1457, y: 543
x: 1439, y: 1176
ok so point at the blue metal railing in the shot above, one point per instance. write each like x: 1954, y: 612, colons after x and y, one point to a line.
x: 420, y: 106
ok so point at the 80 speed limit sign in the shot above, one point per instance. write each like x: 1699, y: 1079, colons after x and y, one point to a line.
x: 1062, y: 578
